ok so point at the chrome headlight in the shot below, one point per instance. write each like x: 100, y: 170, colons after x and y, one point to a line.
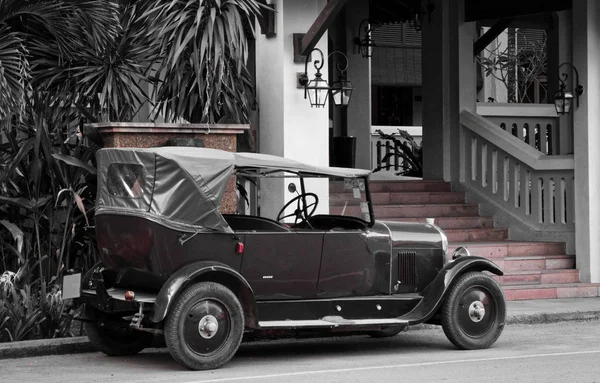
x: 460, y: 252
x: 431, y: 221
x: 444, y: 242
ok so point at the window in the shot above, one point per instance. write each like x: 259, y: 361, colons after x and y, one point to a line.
x: 126, y: 180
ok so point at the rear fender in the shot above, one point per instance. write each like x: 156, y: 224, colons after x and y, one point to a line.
x: 436, y: 291
x: 200, y: 272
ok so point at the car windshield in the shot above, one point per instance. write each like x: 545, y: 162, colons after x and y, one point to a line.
x: 318, y: 195
x: 348, y: 197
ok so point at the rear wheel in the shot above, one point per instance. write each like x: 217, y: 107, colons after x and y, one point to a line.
x: 474, y: 312
x: 205, y: 326
x: 110, y: 334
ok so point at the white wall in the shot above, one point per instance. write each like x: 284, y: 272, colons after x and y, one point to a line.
x: 288, y: 126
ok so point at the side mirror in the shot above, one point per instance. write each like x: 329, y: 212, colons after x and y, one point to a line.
x: 292, y: 187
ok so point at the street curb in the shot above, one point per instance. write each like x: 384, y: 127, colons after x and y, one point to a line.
x: 543, y: 318
x: 80, y: 344
x: 41, y: 347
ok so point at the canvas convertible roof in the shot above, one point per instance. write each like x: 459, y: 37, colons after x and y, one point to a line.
x: 183, y: 186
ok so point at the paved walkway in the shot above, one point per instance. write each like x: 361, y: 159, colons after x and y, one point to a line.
x: 519, y: 312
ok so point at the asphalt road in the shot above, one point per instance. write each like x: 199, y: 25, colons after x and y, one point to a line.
x: 559, y: 352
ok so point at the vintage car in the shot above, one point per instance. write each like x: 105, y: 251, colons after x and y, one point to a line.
x: 172, y: 264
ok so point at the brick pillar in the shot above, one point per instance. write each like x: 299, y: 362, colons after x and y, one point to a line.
x: 148, y: 135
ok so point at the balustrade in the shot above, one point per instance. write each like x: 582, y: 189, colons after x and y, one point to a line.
x: 383, y: 152
x: 537, y: 188
x: 535, y: 124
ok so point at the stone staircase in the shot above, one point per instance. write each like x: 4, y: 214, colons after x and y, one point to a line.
x: 532, y: 270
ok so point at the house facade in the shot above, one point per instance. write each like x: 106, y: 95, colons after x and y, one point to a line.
x: 535, y: 171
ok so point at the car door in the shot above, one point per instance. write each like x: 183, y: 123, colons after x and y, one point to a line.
x: 354, y: 263
x: 282, y: 265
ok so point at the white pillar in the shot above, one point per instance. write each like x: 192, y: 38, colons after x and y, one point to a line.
x: 586, y: 118
x: 288, y: 126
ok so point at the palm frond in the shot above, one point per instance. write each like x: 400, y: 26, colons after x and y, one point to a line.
x: 14, y: 74
x: 204, y: 50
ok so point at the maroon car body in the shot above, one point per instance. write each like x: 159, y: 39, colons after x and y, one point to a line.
x: 172, y: 264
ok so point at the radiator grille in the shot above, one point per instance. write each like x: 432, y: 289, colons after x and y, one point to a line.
x: 407, y: 273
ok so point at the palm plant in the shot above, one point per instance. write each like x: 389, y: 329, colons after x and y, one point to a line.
x: 64, y: 62
x: 203, y: 46
x: 46, y: 181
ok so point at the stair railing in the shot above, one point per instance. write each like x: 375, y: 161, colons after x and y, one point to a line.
x: 535, y: 124
x: 383, y: 152
x: 536, y: 188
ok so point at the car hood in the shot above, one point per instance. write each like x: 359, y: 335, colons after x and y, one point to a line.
x: 414, y: 235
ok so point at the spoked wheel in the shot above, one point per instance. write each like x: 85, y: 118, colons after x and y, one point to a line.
x: 474, y: 312
x: 205, y: 327
x: 302, y: 213
x: 115, y: 340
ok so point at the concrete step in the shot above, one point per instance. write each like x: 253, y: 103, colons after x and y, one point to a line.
x: 551, y: 291
x: 409, y: 186
x: 415, y: 211
x: 476, y: 235
x: 536, y: 262
x: 415, y: 198
x: 448, y: 223
x: 535, y: 277
x: 501, y: 249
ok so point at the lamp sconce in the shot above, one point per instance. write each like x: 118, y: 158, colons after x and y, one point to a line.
x: 341, y: 90
x: 563, y: 98
x: 417, y: 16
x: 318, y: 89
x: 364, y: 41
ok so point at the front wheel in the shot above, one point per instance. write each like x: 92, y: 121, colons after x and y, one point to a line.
x: 474, y: 312
x: 205, y: 327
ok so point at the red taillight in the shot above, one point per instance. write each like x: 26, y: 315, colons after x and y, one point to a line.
x: 239, y: 248
x: 129, y: 295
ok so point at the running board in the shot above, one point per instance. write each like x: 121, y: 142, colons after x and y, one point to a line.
x: 331, y: 322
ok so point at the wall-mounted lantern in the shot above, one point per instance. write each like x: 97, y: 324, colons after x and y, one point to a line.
x: 563, y: 98
x: 317, y: 89
x: 341, y: 90
x: 364, y: 41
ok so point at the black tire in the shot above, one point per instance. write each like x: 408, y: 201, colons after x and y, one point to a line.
x: 202, y: 347
x: 119, y: 341
x: 386, y: 332
x: 474, y: 312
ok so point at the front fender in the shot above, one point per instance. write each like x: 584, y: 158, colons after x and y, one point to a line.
x: 217, y: 271
x: 435, y: 292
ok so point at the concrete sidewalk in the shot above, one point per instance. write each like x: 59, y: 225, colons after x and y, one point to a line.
x: 519, y: 312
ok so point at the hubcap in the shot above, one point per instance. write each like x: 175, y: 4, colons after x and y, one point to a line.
x: 208, y: 326
x: 476, y: 311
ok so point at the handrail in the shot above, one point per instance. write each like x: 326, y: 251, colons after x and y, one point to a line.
x: 521, y: 110
x: 514, y: 146
x: 519, y: 180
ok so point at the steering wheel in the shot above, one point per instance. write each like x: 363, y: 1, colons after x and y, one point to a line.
x: 299, y: 212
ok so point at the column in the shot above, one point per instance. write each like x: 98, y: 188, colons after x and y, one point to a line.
x: 586, y: 118
x: 288, y: 126
x: 359, y: 74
